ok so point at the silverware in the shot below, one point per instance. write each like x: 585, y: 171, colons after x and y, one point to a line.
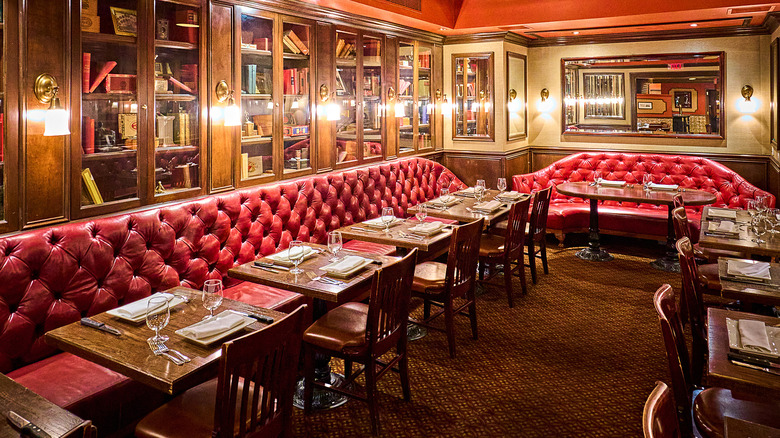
x: 262, y: 318
x: 327, y: 280
x: 159, y: 349
x: 365, y: 230
x: 89, y: 322
x: 265, y: 269
x: 26, y: 427
x: 410, y: 236
x: 755, y: 367
x: 271, y: 265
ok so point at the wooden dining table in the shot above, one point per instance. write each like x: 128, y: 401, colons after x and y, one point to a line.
x: 401, y: 237
x: 743, y: 242
x: 721, y: 372
x: 129, y: 353
x: 631, y: 193
x: 767, y: 293
x: 464, y: 211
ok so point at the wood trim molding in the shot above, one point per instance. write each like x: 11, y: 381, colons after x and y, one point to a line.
x: 484, y: 37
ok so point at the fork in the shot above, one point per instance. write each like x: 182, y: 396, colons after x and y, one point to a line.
x: 410, y: 236
x: 184, y: 358
x: 160, y: 349
x: 327, y: 280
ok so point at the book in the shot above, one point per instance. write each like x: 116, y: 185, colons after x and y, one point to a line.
x: 91, y: 186
x: 339, y: 47
x: 244, y: 166
x: 254, y: 166
x: 124, y: 84
x: 88, y: 135
x: 262, y: 43
x: 297, y: 41
x: 177, y: 83
x: 104, y: 71
x: 189, y: 76
x: 289, y: 46
x: 403, y: 87
x: 128, y: 125
x: 86, y: 60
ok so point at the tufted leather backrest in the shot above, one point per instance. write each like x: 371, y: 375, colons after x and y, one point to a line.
x: 54, y: 276
x: 689, y: 172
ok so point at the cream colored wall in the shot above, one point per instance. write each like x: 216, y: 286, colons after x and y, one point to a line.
x: 747, y: 60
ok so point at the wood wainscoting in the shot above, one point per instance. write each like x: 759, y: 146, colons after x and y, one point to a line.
x: 470, y: 166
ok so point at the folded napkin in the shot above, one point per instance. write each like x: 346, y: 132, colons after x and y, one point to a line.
x: 609, y: 183
x: 445, y: 200
x: 283, y: 257
x: 377, y: 222
x: 138, y: 308
x: 748, y: 268
x: 467, y: 192
x: 722, y: 212
x: 345, y: 265
x: 511, y: 196
x: 489, y: 206
x: 427, y: 228
x: 753, y: 336
x: 724, y: 227
x: 213, y: 326
x: 654, y: 186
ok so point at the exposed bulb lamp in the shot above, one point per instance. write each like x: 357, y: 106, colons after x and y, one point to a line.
x: 332, y: 109
x: 746, y: 105
x: 56, y: 121
x: 232, y: 111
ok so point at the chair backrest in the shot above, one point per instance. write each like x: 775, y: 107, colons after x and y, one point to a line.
x: 538, y: 221
x: 659, y: 418
x: 463, y: 257
x: 677, y: 200
x: 388, y: 306
x: 265, y: 362
x: 515, y: 227
x: 692, y: 288
x: 680, y: 222
x: 676, y: 353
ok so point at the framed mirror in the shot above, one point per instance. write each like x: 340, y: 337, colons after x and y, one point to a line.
x: 774, y: 91
x: 516, y: 84
x: 671, y: 95
x: 472, y: 83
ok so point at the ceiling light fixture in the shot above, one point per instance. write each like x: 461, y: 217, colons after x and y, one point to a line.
x: 694, y: 25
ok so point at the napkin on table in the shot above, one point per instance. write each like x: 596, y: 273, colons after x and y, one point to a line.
x: 445, y: 200
x: 610, y: 183
x: 347, y: 264
x: 487, y: 206
x: 377, y: 222
x: 469, y: 191
x: 654, y: 186
x: 283, y: 257
x: 722, y: 212
x: 747, y: 268
x: 753, y: 335
x: 213, y: 326
x: 510, y: 195
x: 427, y: 228
x: 138, y: 308
x: 727, y: 227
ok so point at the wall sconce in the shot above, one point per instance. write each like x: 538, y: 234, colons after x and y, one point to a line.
x: 332, y: 109
x: 546, y: 103
x: 188, y: 18
x: 446, y: 108
x: 437, y: 94
x: 56, y: 120
x: 399, y: 106
x: 513, y: 105
x: 545, y: 94
x: 232, y: 111
x: 745, y: 105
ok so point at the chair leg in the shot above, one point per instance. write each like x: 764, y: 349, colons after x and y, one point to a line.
x: 371, y: 395
x: 481, y: 268
x: 426, y: 310
x: 308, y: 388
x: 508, y: 281
x: 531, y: 261
x: 473, y: 315
x: 347, y: 368
x: 449, y: 325
x: 403, y: 368
x: 521, y: 271
x: 543, y: 251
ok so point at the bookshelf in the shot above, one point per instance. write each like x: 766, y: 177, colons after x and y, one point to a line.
x: 473, y: 100
x: 416, y: 111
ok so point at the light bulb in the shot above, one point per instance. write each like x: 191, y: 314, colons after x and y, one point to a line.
x: 232, y: 114
x: 56, y: 122
x: 399, y: 109
x: 333, y: 111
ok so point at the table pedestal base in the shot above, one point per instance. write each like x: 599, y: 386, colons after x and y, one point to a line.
x: 322, y: 398
x: 415, y: 332
x: 667, y: 264
x: 598, y: 255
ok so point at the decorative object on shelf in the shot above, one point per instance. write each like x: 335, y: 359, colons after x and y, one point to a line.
x: 128, y: 125
x: 249, y: 127
x: 90, y: 23
x: 56, y: 119
x: 187, y: 18
x: 91, y: 186
x: 105, y: 139
x: 165, y: 130
x: 119, y: 83
x: 186, y: 26
x: 125, y: 21
x: 163, y: 29
x: 232, y: 113
x: 159, y: 189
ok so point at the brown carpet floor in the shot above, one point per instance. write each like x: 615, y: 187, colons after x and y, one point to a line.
x: 576, y: 357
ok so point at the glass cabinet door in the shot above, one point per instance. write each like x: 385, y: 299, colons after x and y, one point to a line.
x: 177, y: 108
x: 424, y: 115
x: 2, y: 114
x: 404, y: 108
x: 257, y: 104
x: 346, y: 97
x: 109, y: 102
x: 297, y: 104
x: 373, y: 108
x: 472, y: 83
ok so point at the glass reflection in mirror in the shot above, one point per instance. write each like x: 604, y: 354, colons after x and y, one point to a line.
x: 472, y: 95
x: 517, y: 97
x: 674, y: 95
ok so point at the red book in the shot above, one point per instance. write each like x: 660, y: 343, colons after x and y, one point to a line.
x: 176, y: 83
x: 86, y: 59
x: 88, y: 135
x: 104, y: 71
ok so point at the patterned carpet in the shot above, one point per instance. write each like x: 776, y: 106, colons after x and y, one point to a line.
x: 576, y: 357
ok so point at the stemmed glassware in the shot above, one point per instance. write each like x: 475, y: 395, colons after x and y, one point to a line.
x: 759, y: 227
x: 387, y: 218
x: 422, y: 212
x: 761, y: 204
x: 501, y: 185
x: 597, y: 178
x: 773, y: 220
x: 212, y: 296
x: 647, y: 179
x: 295, y: 254
x: 752, y: 208
x: 157, y: 316
x: 334, y: 244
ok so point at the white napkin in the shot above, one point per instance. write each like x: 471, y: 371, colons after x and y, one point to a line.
x: 654, y: 186
x: 609, y: 183
x: 445, y: 200
x: 489, y: 206
x: 213, y: 326
x: 283, y: 257
x: 510, y: 195
x: 347, y: 264
x: 469, y: 192
x: 727, y: 227
x: 748, y: 268
x: 722, y: 212
x: 377, y: 222
x: 753, y: 335
x: 427, y: 228
x: 138, y: 308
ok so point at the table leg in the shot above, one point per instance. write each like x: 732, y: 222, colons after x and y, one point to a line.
x: 322, y: 399
x: 413, y: 331
x: 669, y: 262
x: 594, y: 252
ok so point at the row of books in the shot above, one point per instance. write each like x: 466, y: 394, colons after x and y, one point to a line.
x: 345, y: 49
x: 114, y: 83
x: 424, y: 60
x: 254, y: 81
x: 293, y: 44
x: 296, y: 80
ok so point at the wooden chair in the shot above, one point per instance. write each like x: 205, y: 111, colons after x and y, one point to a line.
x: 692, y: 305
x: 711, y: 405
x: 508, y: 249
x: 708, y: 271
x: 707, y: 255
x: 659, y: 418
x: 251, y: 396
x: 441, y: 285
x: 362, y: 333
x: 536, y: 235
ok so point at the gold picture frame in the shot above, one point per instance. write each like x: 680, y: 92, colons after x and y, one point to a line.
x: 125, y: 21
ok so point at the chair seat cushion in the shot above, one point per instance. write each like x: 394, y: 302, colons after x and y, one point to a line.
x: 265, y: 296
x: 712, y: 254
x: 710, y: 272
x: 429, y: 277
x: 370, y: 247
x: 491, y: 245
x: 341, y: 328
x: 713, y: 404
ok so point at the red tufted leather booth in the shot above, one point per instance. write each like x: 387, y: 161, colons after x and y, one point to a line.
x: 52, y: 277
x: 569, y: 214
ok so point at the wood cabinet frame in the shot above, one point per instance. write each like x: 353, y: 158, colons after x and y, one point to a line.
x: 489, y: 86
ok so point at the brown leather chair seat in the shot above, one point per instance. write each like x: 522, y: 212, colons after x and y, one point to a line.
x: 429, y: 277
x: 710, y: 272
x: 712, y: 405
x: 341, y: 328
x: 491, y: 245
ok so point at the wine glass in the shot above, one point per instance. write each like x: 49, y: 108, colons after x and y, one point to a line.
x: 752, y: 208
x: 422, y: 212
x: 334, y: 244
x: 444, y: 193
x: 157, y: 316
x: 387, y: 218
x: 647, y: 179
x: 501, y: 184
x: 295, y: 254
x: 761, y: 204
x: 758, y: 226
x: 773, y: 220
x: 597, y: 178
x: 212, y: 296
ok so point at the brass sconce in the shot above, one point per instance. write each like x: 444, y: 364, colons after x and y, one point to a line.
x: 391, y: 94
x: 481, y: 94
x: 512, y: 94
x: 56, y: 120
x: 438, y: 94
x: 232, y: 111
x: 545, y: 94
x: 332, y: 109
x: 747, y: 92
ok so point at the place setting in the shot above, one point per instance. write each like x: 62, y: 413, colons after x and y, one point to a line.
x: 754, y: 344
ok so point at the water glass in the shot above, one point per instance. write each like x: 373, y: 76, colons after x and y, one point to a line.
x: 422, y: 212
x: 334, y: 244
x: 501, y: 184
x: 597, y: 177
x: 773, y: 220
x: 758, y: 226
x: 752, y: 208
x: 761, y: 204
x: 444, y: 191
x: 157, y: 316
x: 387, y: 218
x: 647, y: 179
x: 295, y: 254
x: 212, y: 296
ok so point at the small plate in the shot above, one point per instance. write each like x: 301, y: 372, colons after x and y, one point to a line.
x: 210, y: 340
x: 114, y: 312
x: 377, y: 224
x: 735, y: 342
x: 282, y: 261
x: 721, y: 213
x: 349, y: 273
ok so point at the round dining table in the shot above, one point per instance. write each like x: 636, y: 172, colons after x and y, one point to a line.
x: 631, y: 193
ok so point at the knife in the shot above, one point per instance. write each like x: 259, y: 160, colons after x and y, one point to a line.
x: 748, y: 358
x: 262, y: 318
x: 266, y: 269
x: 755, y: 367
x: 89, y: 322
x: 271, y: 265
x: 27, y: 428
